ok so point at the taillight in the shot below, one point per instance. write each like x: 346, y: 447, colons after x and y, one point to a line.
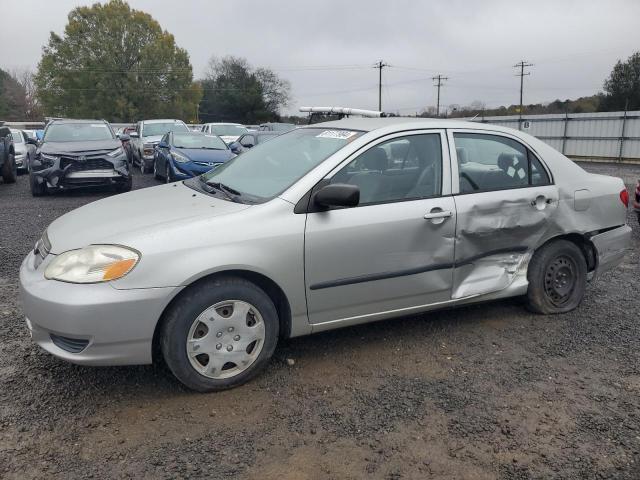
x: 624, y: 198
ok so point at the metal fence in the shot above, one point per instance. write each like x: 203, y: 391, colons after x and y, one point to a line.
x: 604, y: 136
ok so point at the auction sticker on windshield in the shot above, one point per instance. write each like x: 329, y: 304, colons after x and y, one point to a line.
x: 339, y: 134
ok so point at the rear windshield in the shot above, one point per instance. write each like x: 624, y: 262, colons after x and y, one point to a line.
x: 77, y: 132
x: 189, y: 140
x: 153, y: 129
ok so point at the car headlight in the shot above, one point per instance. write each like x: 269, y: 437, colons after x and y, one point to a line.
x: 116, y: 153
x: 47, y: 159
x: 178, y: 157
x: 92, y: 264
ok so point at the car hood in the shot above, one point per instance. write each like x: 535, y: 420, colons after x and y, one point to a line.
x: 147, y: 212
x: 203, y: 155
x: 74, y: 147
x: 229, y: 138
x: 152, y: 139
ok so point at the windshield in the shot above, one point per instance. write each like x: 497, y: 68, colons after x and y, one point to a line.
x: 271, y: 167
x: 228, y: 130
x: 16, y: 135
x: 77, y: 132
x: 189, y: 140
x: 152, y: 129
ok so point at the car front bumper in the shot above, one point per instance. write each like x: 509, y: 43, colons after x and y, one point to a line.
x: 91, y: 324
x: 191, y: 169
x: 80, y: 174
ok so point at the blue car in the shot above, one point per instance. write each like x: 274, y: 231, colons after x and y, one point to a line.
x: 182, y: 155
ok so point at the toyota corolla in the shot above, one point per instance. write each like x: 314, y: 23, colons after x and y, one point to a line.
x: 329, y: 225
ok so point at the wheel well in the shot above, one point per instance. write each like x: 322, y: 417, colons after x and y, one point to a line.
x: 270, y: 287
x: 583, y: 243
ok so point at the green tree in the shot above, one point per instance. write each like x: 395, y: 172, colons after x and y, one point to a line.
x: 12, y: 98
x: 116, y: 63
x: 235, y: 92
x: 623, y: 85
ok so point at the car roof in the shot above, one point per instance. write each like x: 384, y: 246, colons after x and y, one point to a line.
x: 225, y: 123
x: 368, y: 124
x: 162, y: 120
x: 75, y: 120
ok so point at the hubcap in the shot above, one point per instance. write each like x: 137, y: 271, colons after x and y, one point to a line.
x: 560, y: 279
x: 225, y: 339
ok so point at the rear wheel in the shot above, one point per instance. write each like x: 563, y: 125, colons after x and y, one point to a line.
x: 557, y: 277
x: 9, y: 169
x: 219, y: 334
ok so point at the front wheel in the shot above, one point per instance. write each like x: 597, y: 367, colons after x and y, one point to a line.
x: 219, y: 334
x: 38, y: 189
x: 557, y: 277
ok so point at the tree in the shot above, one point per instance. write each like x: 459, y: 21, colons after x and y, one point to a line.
x: 12, y: 98
x: 116, y: 63
x: 32, y: 107
x: 235, y: 92
x: 623, y: 85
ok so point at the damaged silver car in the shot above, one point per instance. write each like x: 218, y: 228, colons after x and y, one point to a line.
x: 325, y: 226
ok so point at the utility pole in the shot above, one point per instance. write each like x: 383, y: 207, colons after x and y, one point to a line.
x: 439, y: 78
x: 521, y: 65
x: 380, y: 65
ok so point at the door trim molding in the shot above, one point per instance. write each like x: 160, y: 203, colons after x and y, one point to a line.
x: 413, y: 271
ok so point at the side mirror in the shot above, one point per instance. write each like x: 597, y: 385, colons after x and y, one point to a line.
x: 163, y: 145
x: 235, y: 147
x: 134, y: 135
x: 124, y: 137
x: 32, y: 141
x: 338, y: 195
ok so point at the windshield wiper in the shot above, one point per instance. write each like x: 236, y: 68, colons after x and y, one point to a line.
x: 225, y: 188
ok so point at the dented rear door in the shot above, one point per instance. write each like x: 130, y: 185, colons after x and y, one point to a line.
x: 505, y: 198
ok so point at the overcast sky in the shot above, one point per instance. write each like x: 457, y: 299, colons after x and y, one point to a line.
x: 327, y: 49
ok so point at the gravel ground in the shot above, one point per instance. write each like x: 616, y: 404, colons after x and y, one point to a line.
x: 483, y: 392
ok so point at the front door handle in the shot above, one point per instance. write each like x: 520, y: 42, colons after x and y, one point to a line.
x: 438, y: 215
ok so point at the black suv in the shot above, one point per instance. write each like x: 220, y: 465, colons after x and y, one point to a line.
x: 79, y: 153
x: 8, y: 170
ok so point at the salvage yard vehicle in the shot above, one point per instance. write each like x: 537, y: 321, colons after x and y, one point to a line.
x: 78, y: 154
x: 8, y: 168
x: 314, y: 230
x: 250, y: 140
x: 24, y: 149
x: 180, y: 156
x: 228, y: 132
x: 636, y: 202
x: 147, y: 135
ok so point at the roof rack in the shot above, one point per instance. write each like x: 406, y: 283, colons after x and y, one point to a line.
x: 342, y: 111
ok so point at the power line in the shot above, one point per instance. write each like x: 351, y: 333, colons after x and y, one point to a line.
x: 439, y: 78
x: 522, y: 64
x: 380, y: 65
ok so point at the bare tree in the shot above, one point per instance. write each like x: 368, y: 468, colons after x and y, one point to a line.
x: 32, y: 108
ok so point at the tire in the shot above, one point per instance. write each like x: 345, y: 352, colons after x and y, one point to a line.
x: 557, y: 277
x: 37, y: 189
x: 167, y: 173
x: 125, y: 186
x: 9, y: 169
x: 156, y: 175
x: 143, y: 166
x: 219, y: 299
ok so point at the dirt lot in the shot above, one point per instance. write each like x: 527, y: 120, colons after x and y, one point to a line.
x: 480, y: 392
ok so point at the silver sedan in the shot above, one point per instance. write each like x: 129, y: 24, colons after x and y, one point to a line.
x: 326, y: 226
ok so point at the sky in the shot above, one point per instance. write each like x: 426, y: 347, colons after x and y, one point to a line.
x: 327, y: 49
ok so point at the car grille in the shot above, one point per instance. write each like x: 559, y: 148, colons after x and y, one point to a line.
x: 71, y: 345
x: 88, y: 164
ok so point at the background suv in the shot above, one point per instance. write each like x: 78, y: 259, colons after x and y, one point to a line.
x: 147, y: 135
